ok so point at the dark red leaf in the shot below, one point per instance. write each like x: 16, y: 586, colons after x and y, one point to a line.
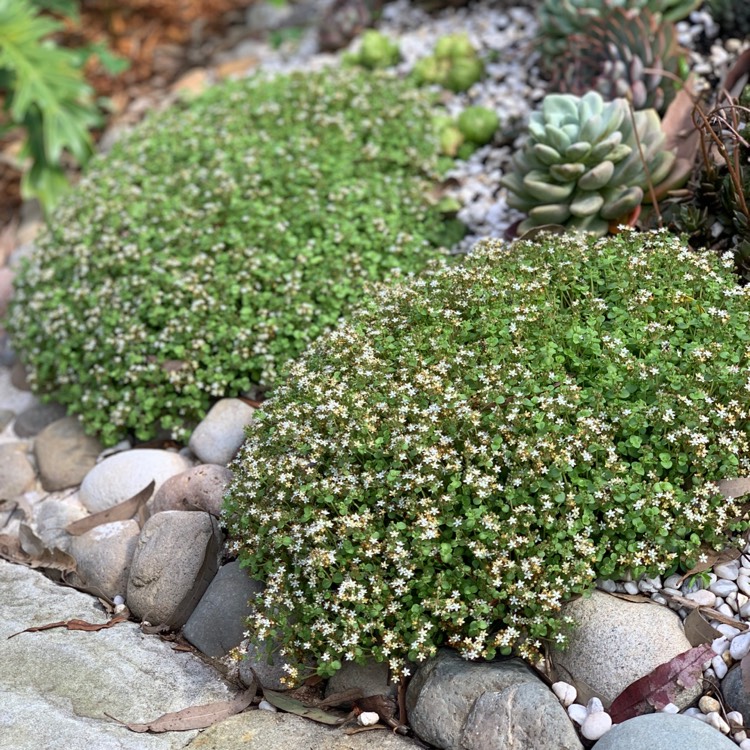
x: 662, y: 686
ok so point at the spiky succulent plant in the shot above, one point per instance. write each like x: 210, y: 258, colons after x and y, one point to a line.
x: 560, y: 19
x: 585, y: 165
x: 623, y: 53
x: 733, y: 16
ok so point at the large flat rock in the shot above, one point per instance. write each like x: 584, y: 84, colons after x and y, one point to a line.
x: 57, y: 685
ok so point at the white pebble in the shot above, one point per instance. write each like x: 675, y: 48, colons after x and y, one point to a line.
x: 723, y: 587
x: 565, y: 693
x: 607, y: 584
x: 743, y: 584
x: 594, y: 706
x: 719, y: 666
x: 702, y: 597
x: 368, y: 718
x: 720, y: 645
x: 730, y: 570
x: 739, y: 736
x: 740, y: 646
x: 725, y: 609
x: 727, y: 630
x: 596, y: 725
x: 745, y: 745
x: 119, y: 608
x: 118, y: 600
x: 673, y: 582
x: 631, y: 587
x: 649, y: 585
x: 736, y: 720
x: 670, y: 708
x: 577, y: 713
x: 709, y: 673
x: 745, y: 609
x: 715, y: 720
x: 659, y: 599
x: 707, y: 704
x: 266, y: 706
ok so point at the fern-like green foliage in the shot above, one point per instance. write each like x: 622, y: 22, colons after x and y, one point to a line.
x: 45, y: 93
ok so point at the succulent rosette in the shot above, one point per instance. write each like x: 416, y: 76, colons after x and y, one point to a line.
x: 623, y: 53
x: 586, y: 163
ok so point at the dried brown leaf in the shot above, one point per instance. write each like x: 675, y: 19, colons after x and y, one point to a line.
x: 698, y: 630
x: 662, y: 685
x: 89, y: 627
x: 635, y: 598
x: 682, y: 137
x: 385, y: 707
x: 122, y: 512
x: 38, y: 555
x: 738, y: 75
x: 11, y: 550
x: 195, y: 717
x: 344, y: 698
x: 284, y: 703
x: 711, y: 557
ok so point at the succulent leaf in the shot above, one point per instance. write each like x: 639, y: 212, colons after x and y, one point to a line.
x: 600, y: 176
x: 560, y: 19
x: 622, y: 52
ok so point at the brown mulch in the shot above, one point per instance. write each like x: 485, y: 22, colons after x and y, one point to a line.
x: 161, y: 39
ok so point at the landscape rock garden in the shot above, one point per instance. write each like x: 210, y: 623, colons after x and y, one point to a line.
x: 298, y: 450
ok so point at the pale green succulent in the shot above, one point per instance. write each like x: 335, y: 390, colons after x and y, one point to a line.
x: 582, y: 166
x: 560, y: 19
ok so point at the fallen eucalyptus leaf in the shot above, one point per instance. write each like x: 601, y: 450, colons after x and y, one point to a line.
x: 89, y: 627
x: 635, y: 598
x: 195, y: 717
x: 662, y: 685
x: 698, y: 630
x: 11, y: 550
x: 290, y: 705
x: 38, y: 555
x: 711, y: 557
x: 344, y: 698
x: 122, y: 512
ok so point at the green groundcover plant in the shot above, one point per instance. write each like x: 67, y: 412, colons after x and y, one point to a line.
x: 474, y: 447
x: 220, y: 238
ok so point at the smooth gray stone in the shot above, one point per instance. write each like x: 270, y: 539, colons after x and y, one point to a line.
x: 444, y: 689
x: 32, y: 421
x: 13, y: 398
x: 103, y: 556
x: 264, y: 665
x: 6, y: 417
x: 57, y: 686
x: 219, y: 622
x: 615, y: 642
x: 520, y: 717
x: 370, y: 678
x: 264, y: 730
x: 175, y: 559
x: 734, y: 691
x: 664, y: 732
x: 17, y: 473
x: 65, y: 454
x: 199, y: 488
x: 119, y: 477
x: 220, y: 434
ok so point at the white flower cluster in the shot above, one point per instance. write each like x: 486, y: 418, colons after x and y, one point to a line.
x: 481, y: 443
